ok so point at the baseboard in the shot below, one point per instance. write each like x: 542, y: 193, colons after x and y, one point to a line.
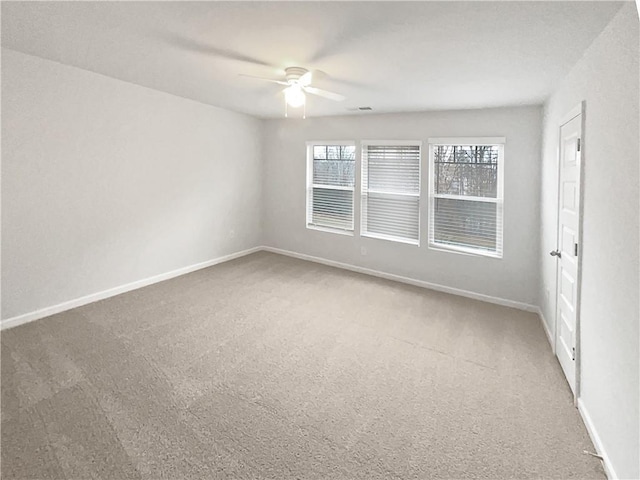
x: 94, y: 297
x: 78, y: 302
x: 545, y: 326
x: 407, y: 280
x: 586, y: 418
x: 597, y: 443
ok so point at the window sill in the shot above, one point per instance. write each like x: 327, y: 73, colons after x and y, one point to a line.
x: 464, y: 251
x: 339, y: 231
x: 415, y: 243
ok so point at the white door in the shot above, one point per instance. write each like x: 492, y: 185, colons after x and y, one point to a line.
x: 568, y: 247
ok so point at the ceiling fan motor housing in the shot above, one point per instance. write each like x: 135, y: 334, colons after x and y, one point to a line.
x: 293, y: 74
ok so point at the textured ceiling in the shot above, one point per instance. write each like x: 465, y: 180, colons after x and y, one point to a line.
x: 391, y: 56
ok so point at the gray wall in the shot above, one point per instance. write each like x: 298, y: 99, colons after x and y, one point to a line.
x: 105, y: 183
x: 607, y: 78
x: 513, y: 277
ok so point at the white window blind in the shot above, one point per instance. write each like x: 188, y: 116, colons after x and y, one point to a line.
x: 330, y: 183
x: 466, y: 195
x: 391, y: 191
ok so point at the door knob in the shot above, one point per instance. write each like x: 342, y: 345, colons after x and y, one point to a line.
x: 556, y: 253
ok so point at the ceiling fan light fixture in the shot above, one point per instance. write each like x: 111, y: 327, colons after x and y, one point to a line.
x: 294, y: 96
x: 298, y: 83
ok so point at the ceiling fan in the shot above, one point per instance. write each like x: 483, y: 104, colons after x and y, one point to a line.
x: 298, y: 82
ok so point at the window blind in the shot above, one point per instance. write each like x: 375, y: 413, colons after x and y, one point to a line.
x: 391, y: 191
x: 466, y: 197
x: 331, y: 178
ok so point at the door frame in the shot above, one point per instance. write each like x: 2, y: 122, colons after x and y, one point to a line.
x: 579, y: 109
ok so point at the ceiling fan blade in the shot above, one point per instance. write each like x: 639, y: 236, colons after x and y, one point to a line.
x: 323, y: 93
x: 279, y: 82
x: 349, y: 33
x: 305, y: 80
x: 196, y: 46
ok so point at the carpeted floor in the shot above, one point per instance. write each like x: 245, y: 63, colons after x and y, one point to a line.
x: 271, y: 367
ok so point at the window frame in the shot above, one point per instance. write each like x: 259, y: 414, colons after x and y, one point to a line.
x: 310, y: 186
x: 364, y: 189
x: 500, y: 142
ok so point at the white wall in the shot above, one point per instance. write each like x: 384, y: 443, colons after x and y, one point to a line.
x: 105, y: 183
x: 512, y: 278
x: 607, y: 79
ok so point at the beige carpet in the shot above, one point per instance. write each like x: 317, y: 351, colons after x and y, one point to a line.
x: 271, y: 367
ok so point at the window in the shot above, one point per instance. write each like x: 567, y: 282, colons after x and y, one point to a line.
x: 391, y: 191
x: 466, y: 194
x: 330, y: 181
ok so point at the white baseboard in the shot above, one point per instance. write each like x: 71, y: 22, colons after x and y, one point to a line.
x: 597, y: 443
x: 407, y: 280
x: 94, y: 297
x: 545, y: 326
x: 586, y: 418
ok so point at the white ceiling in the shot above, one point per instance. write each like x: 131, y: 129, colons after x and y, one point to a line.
x: 391, y: 56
